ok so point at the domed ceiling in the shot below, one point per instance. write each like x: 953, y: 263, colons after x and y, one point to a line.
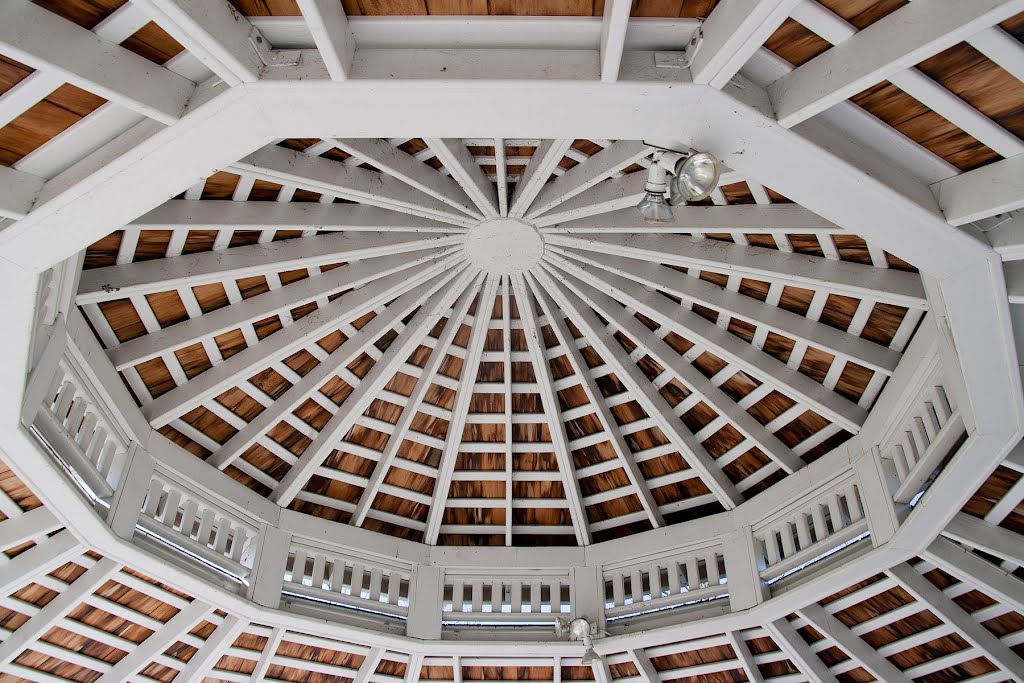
x: 482, y: 342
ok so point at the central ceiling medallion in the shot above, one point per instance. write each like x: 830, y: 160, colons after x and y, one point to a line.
x: 504, y: 246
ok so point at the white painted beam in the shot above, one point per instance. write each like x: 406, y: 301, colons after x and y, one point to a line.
x: 742, y: 650
x: 734, y: 31
x: 993, y: 581
x: 26, y: 94
x: 328, y: 438
x: 733, y: 218
x: 793, y: 644
x: 332, y: 34
x: 158, y: 641
x: 613, y: 37
x: 1008, y: 238
x: 38, y: 560
x: 54, y: 45
x: 214, y: 32
x: 552, y: 409
x: 455, y: 157
x: 858, y: 650
x: 622, y: 193
x: 992, y: 539
x: 542, y: 164
x: 897, y: 42
x: 986, y: 191
x: 18, y: 192
x: 217, y: 644
x: 587, y: 174
x: 35, y: 523
x: 460, y: 408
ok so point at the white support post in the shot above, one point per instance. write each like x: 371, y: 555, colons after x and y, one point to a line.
x: 948, y: 611
x: 793, y: 644
x: 613, y: 37
x: 732, y: 34
x: 331, y: 32
x: 425, y: 593
x: 743, y: 569
x: 54, y: 45
x: 55, y: 610
x: 131, y: 491
x: 210, y: 653
x: 876, y: 492
x: 587, y: 594
x: 18, y: 192
x: 269, y: 563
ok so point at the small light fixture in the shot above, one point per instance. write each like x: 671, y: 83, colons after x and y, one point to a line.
x: 694, y: 176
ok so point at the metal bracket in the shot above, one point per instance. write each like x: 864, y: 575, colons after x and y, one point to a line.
x: 269, y: 56
x: 684, y: 58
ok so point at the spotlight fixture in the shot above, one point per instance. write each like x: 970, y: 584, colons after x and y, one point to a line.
x: 694, y: 176
x: 579, y: 629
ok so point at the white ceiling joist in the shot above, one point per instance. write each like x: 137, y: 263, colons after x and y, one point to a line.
x: 337, y: 360
x: 733, y: 32
x: 460, y: 408
x: 653, y: 403
x: 986, y: 191
x: 184, y: 214
x: 552, y: 409
x: 288, y: 167
x: 454, y: 156
x: 328, y: 438
x: 858, y: 650
x: 191, y: 270
x: 746, y: 658
x: 26, y: 93
x: 736, y: 305
x: 587, y: 174
x: 542, y: 164
x: 332, y: 34
x: 423, y: 384
x: 735, y: 218
x: 18, y: 192
x: 294, y: 337
x: 217, y: 644
x: 968, y: 567
x: 697, y: 329
x: 270, y: 303
x: 604, y: 413
x: 158, y: 641
x: 904, y: 38
x: 214, y: 32
x: 992, y: 539
x: 614, y: 25
x: 54, y: 45
x: 793, y: 644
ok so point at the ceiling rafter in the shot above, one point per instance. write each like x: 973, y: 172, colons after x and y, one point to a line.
x: 332, y: 34
x: 455, y: 157
x: 542, y: 164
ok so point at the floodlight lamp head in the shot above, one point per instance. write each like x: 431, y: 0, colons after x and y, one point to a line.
x: 694, y: 178
x: 653, y: 207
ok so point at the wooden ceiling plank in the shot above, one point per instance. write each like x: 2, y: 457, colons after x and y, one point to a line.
x: 652, y: 402
x: 970, y: 630
x: 732, y: 33
x: 891, y: 45
x: 288, y: 340
x: 162, y: 638
x: 542, y: 164
x: 694, y: 380
x: 214, y: 32
x: 18, y: 192
x: 696, y: 329
x: 310, y: 383
x: 326, y: 176
x: 858, y: 650
x: 456, y: 159
x: 971, y: 569
x: 210, y: 325
x: 55, y: 610
x: 746, y: 658
x: 191, y: 270
x: 800, y: 270
x: 774, y: 219
x: 394, y: 162
x: 217, y: 644
x: 612, y: 431
x: 549, y: 400
x: 587, y: 174
x: 53, y: 45
x: 614, y: 23
x: 332, y: 34
x: 736, y: 305
x: 614, y: 195
x: 215, y: 215
x: 791, y: 642
x: 415, y: 401
x: 430, y: 312
x: 463, y: 395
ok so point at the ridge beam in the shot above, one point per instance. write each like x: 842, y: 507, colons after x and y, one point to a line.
x: 549, y: 399
x: 653, y: 403
x: 901, y: 40
x: 460, y: 408
x: 332, y: 34
x: 362, y: 396
x: 455, y: 157
x: 604, y: 413
x: 55, y: 46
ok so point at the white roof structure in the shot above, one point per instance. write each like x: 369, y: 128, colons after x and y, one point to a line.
x: 337, y: 348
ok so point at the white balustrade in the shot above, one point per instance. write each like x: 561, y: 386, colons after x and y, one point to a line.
x: 665, y: 583
x: 73, y: 424
x: 200, y: 526
x: 813, y: 528
x: 348, y: 581
x: 530, y: 597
